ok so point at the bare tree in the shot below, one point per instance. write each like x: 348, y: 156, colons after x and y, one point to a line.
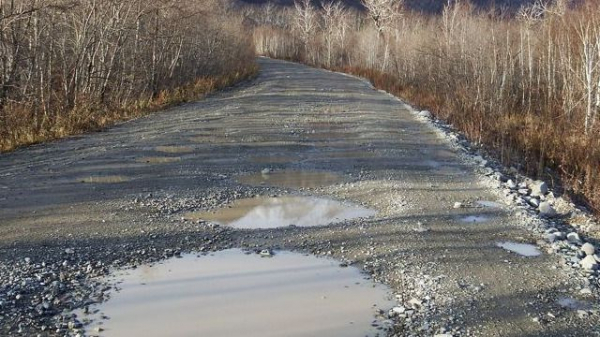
x: 306, y: 23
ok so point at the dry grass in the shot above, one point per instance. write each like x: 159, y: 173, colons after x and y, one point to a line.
x: 525, y: 88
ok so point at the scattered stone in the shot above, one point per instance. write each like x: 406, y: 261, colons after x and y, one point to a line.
x: 266, y: 170
x: 588, y: 248
x: 511, y: 184
x: 539, y: 188
x: 573, y: 237
x: 266, y: 253
x: 458, y: 205
x: 425, y: 114
x: 589, y: 263
x: 534, y: 202
x: 546, y: 210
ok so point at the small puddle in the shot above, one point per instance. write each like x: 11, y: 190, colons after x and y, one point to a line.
x: 489, y: 204
x: 523, y: 249
x: 475, y: 218
x: 573, y: 304
x: 158, y: 160
x: 254, y: 213
x: 104, y: 179
x: 174, y: 149
x: 292, y: 179
x: 230, y: 293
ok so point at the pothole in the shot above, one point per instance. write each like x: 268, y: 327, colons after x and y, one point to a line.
x: 292, y: 179
x: 230, y: 293
x: 175, y: 149
x: 523, y: 249
x: 104, y: 179
x: 254, y: 213
x: 158, y: 160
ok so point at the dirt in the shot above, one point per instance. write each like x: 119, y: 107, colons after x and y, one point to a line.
x: 114, y: 199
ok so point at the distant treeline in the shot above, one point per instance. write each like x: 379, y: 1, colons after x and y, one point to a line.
x: 68, y: 66
x: 526, y: 87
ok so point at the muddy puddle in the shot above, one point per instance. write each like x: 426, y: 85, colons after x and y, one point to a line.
x: 292, y: 179
x: 255, y: 213
x: 230, y: 293
x: 523, y: 249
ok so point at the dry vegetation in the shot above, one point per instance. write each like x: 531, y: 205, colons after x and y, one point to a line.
x: 526, y: 87
x: 68, y: 66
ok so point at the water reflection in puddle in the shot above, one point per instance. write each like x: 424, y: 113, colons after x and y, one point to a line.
x: 522, y: 249
x: 233, y: 294
x: 281, y: 212
x: 292, y: 179
x: 475, y: 218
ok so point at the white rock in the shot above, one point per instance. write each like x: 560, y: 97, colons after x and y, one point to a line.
x: 70, y: 251
x: 458, y: 204
x: 573, y: 237
x: 546, y: 209
x: 511, y: 184
x: 398, y: 310
x: 415, y: 303
x: 266, y: 171
x: 266, y: 253
x: 539, y: 188
x: 27, y: 260
x: 534, y: 202
x: 425, y: 114
x: 589, y: 263
x: 588, y: 248
x: 443, y: 335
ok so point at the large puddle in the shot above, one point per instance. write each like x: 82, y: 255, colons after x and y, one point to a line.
x: 255, y: 213
x: 292, y: 179
x: 233, y: 294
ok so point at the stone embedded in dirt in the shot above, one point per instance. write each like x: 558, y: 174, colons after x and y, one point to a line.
x: 534, y: 202
x: 539, y: 188
x: 546, y: 209
x: 424, y: 114
x: 266, y: 253
x: 589, y: 263
x: 588, y: 248
x: 573, y: 237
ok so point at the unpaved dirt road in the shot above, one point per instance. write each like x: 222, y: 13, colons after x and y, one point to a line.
x: 120, y: 197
